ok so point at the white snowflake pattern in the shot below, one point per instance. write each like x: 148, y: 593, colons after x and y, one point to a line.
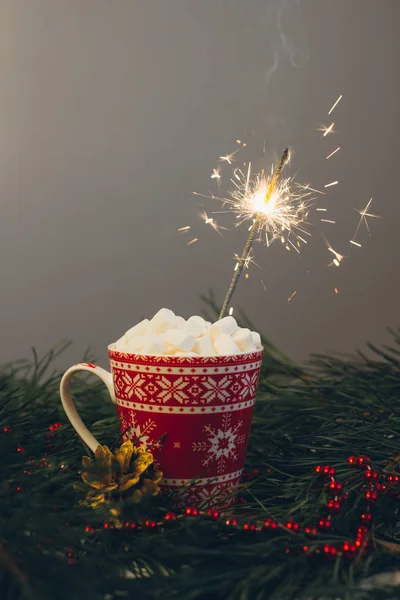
x: 130, y: 384
x: 221, y: 444
x: 173, y: 389
x: 249, y: 382
x: 134, y: 431
x: 216, y: 390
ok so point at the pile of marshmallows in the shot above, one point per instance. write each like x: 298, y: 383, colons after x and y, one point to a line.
x: 168, y: 334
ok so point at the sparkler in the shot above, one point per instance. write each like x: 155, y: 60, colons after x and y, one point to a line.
x: 262, y: 202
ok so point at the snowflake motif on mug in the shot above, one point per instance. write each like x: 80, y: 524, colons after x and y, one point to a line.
x: 216, y: 389
x: 221, y: 444
x: 249, y: 385
x: 173, y: 389
x: 134, y: 431
x: 129, y: 385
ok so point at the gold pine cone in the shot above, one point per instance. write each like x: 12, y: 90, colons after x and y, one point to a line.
x: 126, y: 474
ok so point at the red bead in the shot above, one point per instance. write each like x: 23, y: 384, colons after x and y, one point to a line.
x: 191, y: 511
x: 292, y: 525
x: 270, y: 524
x: 335, y: 486
x: 330, y: 550
x: 366, y: 517
x: 231, y: 522
x: 380, y: 486
x: 305, y: 548
x: 170, y: 516
x: 324, y: 524
x: 311, y: 530
x: 7, y: 429
x: 333, y: 506
x: 249, y: 527
x: 370, y: 474
x: 21, y: 449
x: 318, y: 469
x: 106, y: 525
x: 362, y: 530
x: 328, y: 470
x: 19, y: 489
x: 392, y: 478
x: 371, y: 495
x: 349, y: 549
x: 213, y: 514
x: 352, y: 460
x: 89, y: 529
x: 287, y: 550
x: 150, y: 524
x: 363, y: 461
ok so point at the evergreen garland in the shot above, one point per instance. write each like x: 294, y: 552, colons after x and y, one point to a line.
x: 52, y: 546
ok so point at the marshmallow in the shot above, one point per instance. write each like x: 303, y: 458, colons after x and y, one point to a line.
x: 244, y: 339
x: 179, y: 323
x: 179, y: 338
x: 227, y: 325
x: 224, y: 344
x: 139, y: 329
x: 195, y: 327
x: 161, y: 321
x: 153, y: 344
x: 256, y: 339
x: 203, y: 346
x: 198, y: 319
x: 135, y: 344
x: 121, y: 345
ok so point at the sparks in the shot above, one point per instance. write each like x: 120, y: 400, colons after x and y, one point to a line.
x: 282, y: 206
x: 231, y: 310
x: 193, y: 241
x: 336, y: 290
x: 355, y: 243
x: 326, y: 129
x: 364, y: 214
x: 330, y: 184
x: 228, y: 157
x: 332, y: 153
x: 335, y: 105
x: 291, y: 296
x: 186, y: 228
x: 215, y: 174
x: 211, y: 221
x: 322, y: 209
x: 327, y: 221
x: 337, y: 257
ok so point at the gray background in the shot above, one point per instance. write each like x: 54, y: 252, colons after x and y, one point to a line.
x: 112, y: 112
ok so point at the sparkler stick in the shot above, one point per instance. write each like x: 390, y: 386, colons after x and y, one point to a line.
x: 254, y: 230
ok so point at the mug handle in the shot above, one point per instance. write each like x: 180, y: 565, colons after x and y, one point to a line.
x: 69, y: 405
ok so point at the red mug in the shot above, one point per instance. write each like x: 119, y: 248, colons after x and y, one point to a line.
x: 203, y: 403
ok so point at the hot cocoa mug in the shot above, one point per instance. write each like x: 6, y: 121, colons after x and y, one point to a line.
x: 203, y: 403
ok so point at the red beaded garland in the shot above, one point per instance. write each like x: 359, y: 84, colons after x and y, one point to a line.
x: 170, y: 516
x: 370, y: 474
x: 371, y: 495
x: 292, y: 525
x: 333, y: 506
x: 324, y: 524
x: 366, y: 517
x: 270, y: 524
x: 249, y: 527
x: 192, y: 511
